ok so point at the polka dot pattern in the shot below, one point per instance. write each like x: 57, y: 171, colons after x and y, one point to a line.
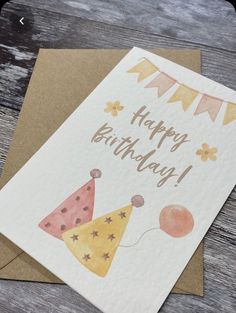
x: 76, y: 210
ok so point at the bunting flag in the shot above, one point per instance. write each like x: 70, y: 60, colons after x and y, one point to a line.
x: 184, y: 94
x: 230, y: 113
x: 163, y: 82
x: 143, y: 69
x: 209, y: 104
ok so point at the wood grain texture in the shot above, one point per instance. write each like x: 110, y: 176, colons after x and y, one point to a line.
x: 208, y: 25
x: 53, y: 30
x: 211, y: 22
x: 8, y: 119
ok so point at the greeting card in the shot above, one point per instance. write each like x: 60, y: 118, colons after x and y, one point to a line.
x: 118, y: 199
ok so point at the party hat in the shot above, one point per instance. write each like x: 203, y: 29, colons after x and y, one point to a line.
x: 76, y: 210
x: 95, y: 243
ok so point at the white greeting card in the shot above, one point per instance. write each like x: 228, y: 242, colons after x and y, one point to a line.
x: 118, y: 199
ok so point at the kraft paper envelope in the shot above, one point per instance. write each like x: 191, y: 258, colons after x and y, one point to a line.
x: 61, y: 80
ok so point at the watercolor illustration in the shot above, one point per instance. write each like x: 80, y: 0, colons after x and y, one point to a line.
x: 185, y: 95
x: 143, y: 69
x: 207, y: 153
x: 176, y: 220
x: 113, y: 108
x: 94, y: 242
x: 76, y: 210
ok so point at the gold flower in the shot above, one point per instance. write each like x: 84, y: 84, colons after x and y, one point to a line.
x: 113, y: 108
x: 207, y: 153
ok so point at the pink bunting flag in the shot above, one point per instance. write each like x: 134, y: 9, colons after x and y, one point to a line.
x: 163, y: 82
x: 209, y: 104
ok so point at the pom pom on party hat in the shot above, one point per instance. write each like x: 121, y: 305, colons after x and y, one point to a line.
x: 95, y: 243
x: 76, y: 210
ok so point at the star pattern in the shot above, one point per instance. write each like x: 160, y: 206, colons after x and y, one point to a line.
x: 98, y: 240
x: 74, y: 237
x: 105, y: 256
x: 86, y: 257
x: 111, y: 237
x: 108, y: 220
x: 122, y: 215
x: 94, y: 233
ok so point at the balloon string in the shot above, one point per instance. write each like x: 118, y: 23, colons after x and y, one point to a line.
x: 139, y: 239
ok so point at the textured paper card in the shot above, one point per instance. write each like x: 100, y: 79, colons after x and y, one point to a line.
x: 118, y: 199
x: 56, y: 74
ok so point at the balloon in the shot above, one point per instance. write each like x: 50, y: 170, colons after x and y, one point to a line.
x: 176, y: 220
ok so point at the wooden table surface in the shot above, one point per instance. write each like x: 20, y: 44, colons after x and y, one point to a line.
x: 209, y: 25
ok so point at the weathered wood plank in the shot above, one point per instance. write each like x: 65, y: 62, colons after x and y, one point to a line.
x: 15, y: 69
x: 52, y: 30
x: 8, y: 119
x: 28, y: 297
x: 211, y: 22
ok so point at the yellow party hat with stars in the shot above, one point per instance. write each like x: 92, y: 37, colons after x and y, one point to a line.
x: 95, y: 243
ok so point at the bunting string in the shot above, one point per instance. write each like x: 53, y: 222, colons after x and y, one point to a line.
x: 184, y: 94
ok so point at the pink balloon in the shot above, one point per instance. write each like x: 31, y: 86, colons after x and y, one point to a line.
x: 176, y: 220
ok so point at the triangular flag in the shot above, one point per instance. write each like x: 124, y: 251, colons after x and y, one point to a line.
x: 230, y: 113
x: 209, y: 104
x: 94, y: 244
x: 144, y: 69
x: 163, y: 82
x: 184, y: 94
x: 76, y: 210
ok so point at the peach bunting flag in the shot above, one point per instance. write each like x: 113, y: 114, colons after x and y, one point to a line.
x: 163, y: 82
x: 209, y: 104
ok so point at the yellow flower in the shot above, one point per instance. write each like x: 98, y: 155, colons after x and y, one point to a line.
x: 207, y: 153
x: 113, y: 108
